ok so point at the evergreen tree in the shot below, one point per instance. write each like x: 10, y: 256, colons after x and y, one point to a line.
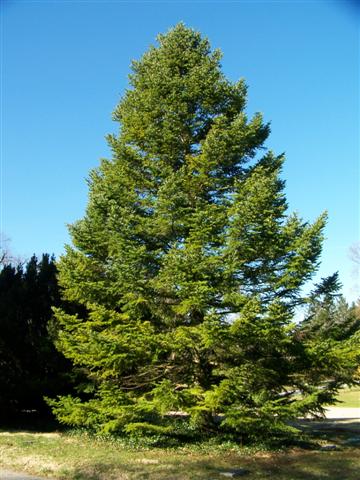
x: 328, y: 314
x: 30, y: 366
x: 187, y: 263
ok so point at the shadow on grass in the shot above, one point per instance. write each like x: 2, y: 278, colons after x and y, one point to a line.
x: 314, y: 466
x: 339, y: 431
x: 304, y: 461
x: 31, y: 421
x: 299, y: 466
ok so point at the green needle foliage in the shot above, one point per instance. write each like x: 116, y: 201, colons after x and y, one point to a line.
x: 188, y: 265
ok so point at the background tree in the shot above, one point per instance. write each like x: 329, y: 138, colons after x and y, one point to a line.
x: 30, y: 366
x: 6, y: 257
x: 328, y: 314
x: 188, y: 264
x: 354, y: 254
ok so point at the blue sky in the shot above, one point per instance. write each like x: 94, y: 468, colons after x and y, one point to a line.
x: 65, y: 67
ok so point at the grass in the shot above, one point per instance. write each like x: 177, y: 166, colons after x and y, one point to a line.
x: 63, y: 456
x: 349, y: 398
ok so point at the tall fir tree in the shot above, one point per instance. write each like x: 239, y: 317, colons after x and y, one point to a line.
x: 187, y: 263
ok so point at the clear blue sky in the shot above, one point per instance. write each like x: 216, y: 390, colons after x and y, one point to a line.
x: 65, y: 66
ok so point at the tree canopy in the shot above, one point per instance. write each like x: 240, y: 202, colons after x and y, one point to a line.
x: 189, y: 266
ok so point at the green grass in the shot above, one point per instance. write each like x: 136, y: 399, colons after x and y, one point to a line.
x: 349, y: 398
x: 80, y: 457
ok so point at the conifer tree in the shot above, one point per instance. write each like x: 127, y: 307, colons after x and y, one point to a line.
x: 187, y: 263
x: 30, y: 366
x: 328, y: 314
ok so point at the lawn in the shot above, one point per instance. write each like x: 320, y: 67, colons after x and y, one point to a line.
x: 79, y: 457
x: 349, y: 398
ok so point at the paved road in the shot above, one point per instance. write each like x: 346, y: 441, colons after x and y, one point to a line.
x: 6, y: 475
x: 339, y: 412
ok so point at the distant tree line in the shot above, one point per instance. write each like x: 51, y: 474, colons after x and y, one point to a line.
x: 30, y: 365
